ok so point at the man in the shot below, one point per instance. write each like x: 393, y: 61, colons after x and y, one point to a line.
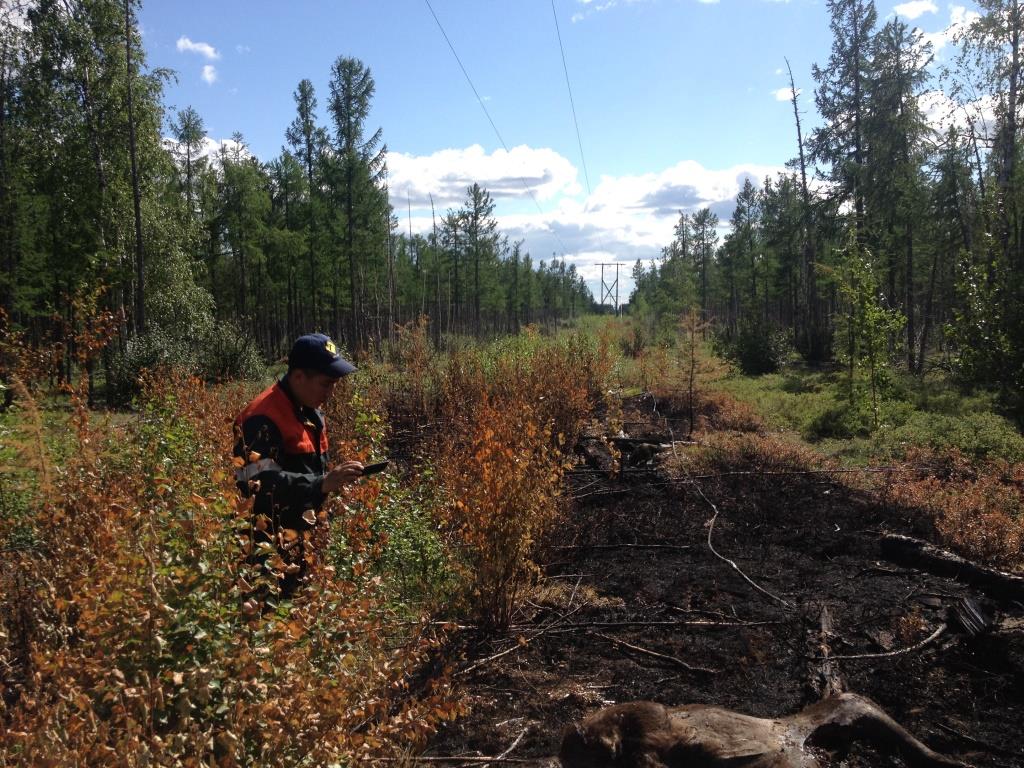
x: 281, y: 445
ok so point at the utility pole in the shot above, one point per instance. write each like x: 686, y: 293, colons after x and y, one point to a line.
x: 608, y: 288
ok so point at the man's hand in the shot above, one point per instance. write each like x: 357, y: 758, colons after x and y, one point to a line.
x: 341, y: 475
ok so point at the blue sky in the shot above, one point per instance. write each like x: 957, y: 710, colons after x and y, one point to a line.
x: 677, y: 100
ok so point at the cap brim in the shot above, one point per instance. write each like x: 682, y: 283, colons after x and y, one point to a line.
x: 340, y: 367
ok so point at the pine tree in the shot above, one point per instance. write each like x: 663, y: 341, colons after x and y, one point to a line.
x: 188, y: 131
x: 705, y: 240
x: 480, y: 228
x: 893, y: 135
x: 841, y: 97
x: 307, y: 141
x: 357, y: 173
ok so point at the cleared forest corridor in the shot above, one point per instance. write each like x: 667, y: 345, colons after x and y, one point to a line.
x: 633, y: 605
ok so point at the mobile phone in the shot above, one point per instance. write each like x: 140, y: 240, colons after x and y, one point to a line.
x: 373, y: 469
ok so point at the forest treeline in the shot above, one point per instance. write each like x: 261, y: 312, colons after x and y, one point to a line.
x: 889, y: 239
x: 108, y: 204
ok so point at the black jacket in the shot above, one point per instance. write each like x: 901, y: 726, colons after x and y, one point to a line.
x: 284, y: 446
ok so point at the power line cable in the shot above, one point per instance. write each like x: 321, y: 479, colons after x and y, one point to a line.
x: 483, y: 106
x: 470, y: 81
x: 579, y: 140
x: 572, y: 102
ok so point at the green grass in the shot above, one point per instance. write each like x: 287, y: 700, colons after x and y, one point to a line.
x: 931, y: 412
x: 789, y: 400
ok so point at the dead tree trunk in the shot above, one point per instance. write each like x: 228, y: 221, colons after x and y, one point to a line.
x: 906, y: 550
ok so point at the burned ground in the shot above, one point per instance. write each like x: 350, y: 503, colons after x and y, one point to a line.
x: 633, y: 604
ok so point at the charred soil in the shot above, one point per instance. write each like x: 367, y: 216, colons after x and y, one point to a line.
x: 633, y: 604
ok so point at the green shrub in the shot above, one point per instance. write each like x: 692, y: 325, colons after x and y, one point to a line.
x: 230, y: 354
x: 223, y: 354
x: 757, y: 349
x: 840, y: 422
x: 844, y: 421
x: 413, y: 558
x: 148, y: 351
x: 978, y: 436
x: 633, y: 343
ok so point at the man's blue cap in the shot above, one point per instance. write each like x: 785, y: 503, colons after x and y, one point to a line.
x: 316, y: 352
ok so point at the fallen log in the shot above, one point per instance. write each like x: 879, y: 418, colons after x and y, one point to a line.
x: 649, y: 735
x: 906, y: 550
x: 630, y: 443
x: 824, y: 679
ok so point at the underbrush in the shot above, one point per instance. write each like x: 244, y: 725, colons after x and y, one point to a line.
x: 389, y: 531
x: 931, y: 412
x: 124, y: 636
x: 972, y: 498
x: 976, y: 507
x: 712, y: 411
x: 756, y: 348
x: 492, y: 425
x: 766, y: 456
x: 128, y: 629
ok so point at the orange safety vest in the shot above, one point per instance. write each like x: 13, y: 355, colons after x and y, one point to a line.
x: 297, y: 434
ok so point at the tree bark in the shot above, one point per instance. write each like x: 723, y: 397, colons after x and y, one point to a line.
x: 140, y: 272
x: 928, y: 309
x: 814, y: 345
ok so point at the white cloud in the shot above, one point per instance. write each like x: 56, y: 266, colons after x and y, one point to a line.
x: 211, y: 148
x: 959, y: 20
x: 960, y: 16
x: 915, y: 8
x: 209, y: 74
x: 687, y: 186
x: 448, y: 172
x: 242, y: 49
x: 205, y: 50
x: 645, y: 205
x: 938, y: 109
x: 631, y: 217
x: 624, y: 219
x: 942, y: 112
x: 785, y: 94
x: 591, y: 6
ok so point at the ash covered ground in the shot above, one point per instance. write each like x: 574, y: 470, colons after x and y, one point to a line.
x: 633, y: 604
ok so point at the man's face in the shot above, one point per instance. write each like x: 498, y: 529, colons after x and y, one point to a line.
x: 311, y: 389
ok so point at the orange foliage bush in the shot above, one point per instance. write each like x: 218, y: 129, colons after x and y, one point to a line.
x: 976, y: 508
x: 407, y: 380
x: 503, y: 478
x: 653, y: 364
x: 508, y: 417
x: 569, y: 375
x: 122, y: 635
x: 560, y: 380
x: 749, y: 452
x: 24, y: 362
x: 722, y: 411
x: 491, y: 423
x: 712, y: 411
